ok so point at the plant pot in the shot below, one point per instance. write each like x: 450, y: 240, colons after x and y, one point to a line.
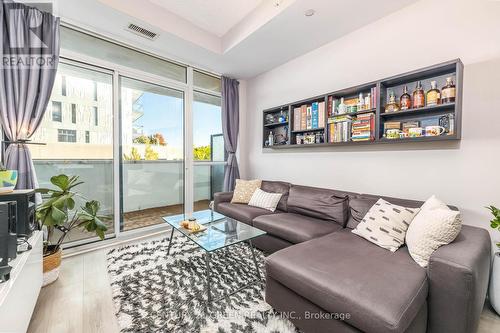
x: 51, y: 264
x: 8, y: 181
x: 494, y: 288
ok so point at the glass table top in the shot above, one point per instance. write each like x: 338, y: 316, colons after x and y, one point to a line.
x: 221, y: 231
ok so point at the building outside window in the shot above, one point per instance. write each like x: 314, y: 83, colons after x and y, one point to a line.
x: 73, y: 113
x: 95, y: 91
x: 65, y: 135
x: 63, y: 86
x: 56, y: 111
x: 87, y: 137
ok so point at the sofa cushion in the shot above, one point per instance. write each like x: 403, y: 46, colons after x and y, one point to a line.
x: 342, y: 273
x: 277, y: 187
x: 242, y: 212
x: 295, y: 228
x: 244, y: 189
x: 320, y: 203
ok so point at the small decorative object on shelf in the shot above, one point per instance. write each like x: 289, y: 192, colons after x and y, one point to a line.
x: 405, y: 100
x: 361, y: 102
x: 448, y: 92
x: 271, y: 139
x: 269, y: 119
x: 282, y: 118
x: 434, y: 130
x: 392, y: 106
x: 368, y: 102
x: 433, y: 95
x: 418, y: 96
x: 342, y: 108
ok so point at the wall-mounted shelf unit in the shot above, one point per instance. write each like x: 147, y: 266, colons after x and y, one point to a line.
x: 358, y: 115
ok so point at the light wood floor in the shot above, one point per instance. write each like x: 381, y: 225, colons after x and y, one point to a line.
x: 80, y: 301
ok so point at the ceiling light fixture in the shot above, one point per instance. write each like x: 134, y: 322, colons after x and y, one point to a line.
x: 309, y: 12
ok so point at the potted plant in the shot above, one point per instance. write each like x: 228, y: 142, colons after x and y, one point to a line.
x: 494, y: 288
x: 58, y: 212
x: 8, y: 179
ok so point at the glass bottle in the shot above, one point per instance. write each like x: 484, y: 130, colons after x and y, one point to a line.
x: 448, y: 92
x: 392, y: 106
x: 433, y: 95
x: 419, y: 96
x: 342, y: 107
x: 405, y: 100
x: 361, y: 102
x: 368, y: 103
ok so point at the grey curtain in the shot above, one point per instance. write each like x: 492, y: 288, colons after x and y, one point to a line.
x: 30, y: 55
x: 230, y: 129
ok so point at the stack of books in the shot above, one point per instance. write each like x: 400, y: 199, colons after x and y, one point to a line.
x: 308, y: 117
x: 340, y: 129
x: 363, y: 128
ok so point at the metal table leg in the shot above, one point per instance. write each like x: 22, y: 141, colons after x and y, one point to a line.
x: 254, y: 260
x: 207, y: 267
x: 170, y: 241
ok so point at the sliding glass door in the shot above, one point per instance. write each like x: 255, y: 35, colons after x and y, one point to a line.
x: 152, y: 153
x: 77, y: 132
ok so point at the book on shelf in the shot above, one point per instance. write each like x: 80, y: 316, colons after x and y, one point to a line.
x: 296, y: 119
x: 321, y: 116
x: 363, y: 128
x: 392, y: 125
x: 303, y: 117
x: 314, y: 115
x: 308, y: 117
x: 330, y: 106
x: 374, y: 97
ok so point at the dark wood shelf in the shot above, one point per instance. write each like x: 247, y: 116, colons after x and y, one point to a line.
x: 276, y: 124
x: 427, y: 109
x: 381, y: 88
x: 309, y: 130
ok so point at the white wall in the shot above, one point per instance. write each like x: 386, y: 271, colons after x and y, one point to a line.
x: 466, y: 173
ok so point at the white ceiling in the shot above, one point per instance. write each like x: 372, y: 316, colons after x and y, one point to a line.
x: 214, y: 16
x: 240, y: 38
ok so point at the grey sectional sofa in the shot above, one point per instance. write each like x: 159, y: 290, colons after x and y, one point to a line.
x: 326, y: 279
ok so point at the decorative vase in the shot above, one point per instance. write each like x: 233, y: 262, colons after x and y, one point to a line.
x: 51, y: 264
x: 494, y: 288
x: 8, y: 180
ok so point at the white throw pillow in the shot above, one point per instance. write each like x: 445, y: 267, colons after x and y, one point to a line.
x: 265, y: 200
x: 436, y: 225
x: 385, y: 224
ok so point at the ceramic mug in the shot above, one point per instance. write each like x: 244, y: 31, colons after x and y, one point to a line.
x: 393, y: 133
x: 434, y: 130
x: 415, y: 132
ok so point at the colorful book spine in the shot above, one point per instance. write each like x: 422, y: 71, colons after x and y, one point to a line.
x: 296, y: 119
x: 321, y: 117
x: 314, y: 115
x: 308, y: 117
x: 330, y: 106
x: 303, y: 117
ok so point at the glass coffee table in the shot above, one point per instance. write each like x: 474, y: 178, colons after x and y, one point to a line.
x: 222, y: 232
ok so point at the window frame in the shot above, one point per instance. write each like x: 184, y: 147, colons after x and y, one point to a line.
x: 67, y: 133
x: 59, y: 113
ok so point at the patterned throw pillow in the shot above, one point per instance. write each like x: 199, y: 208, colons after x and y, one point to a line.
x: 436, y: 225
x: 244, y: 189
x: 385, y: 224
x: 265, y: 200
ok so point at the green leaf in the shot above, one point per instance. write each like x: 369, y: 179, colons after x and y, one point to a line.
x: 70, y: 202
x: 58, y: 215
x: 61, y: 181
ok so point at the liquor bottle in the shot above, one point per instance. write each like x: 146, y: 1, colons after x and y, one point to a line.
x: 392, y: 106
x: 361, y: 102
x: 419, y: 96
x: 405, y: 100
x: 448, y: 92
x: 433, y: 95
x: 342, y: 107
x: 271, y: 139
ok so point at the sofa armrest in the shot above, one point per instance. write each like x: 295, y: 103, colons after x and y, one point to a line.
x: 220, y: 197
x: 458, y: 276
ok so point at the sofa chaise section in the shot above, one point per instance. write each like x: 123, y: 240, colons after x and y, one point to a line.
x: 343, y: 273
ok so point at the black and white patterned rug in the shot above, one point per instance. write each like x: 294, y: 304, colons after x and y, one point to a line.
x: 154, y: 292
